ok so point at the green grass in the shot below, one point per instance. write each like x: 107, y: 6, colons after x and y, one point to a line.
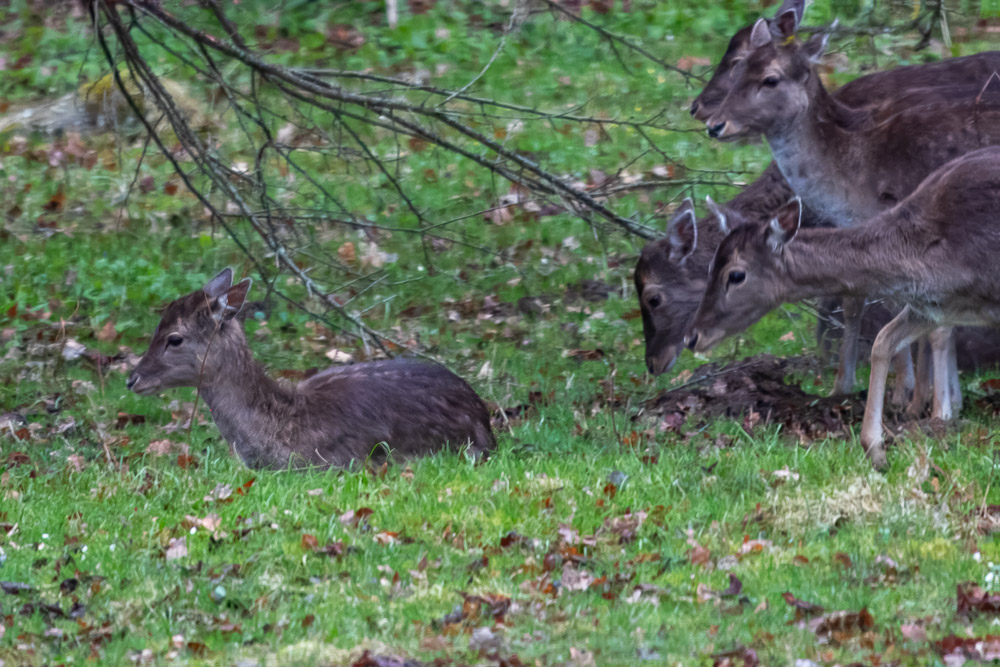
x: 573, y: 475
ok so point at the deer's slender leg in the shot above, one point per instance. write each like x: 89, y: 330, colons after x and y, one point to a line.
x: 956, y: 387
x: 853, y: 310
x: 904, y: 383
x: 924, y: 381
x: 941, y: 345
x: 895, y: 336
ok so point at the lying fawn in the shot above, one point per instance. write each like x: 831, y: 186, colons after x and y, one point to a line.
x: 934, y: 252
x: 671, y: 272
x: 338, y: 416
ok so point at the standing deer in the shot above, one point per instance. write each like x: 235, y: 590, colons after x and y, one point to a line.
x: 338, y: 416
x: 670, y: 274
x: 936, y: 251
x: 846, y: 163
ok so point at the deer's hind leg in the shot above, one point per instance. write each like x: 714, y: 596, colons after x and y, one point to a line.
x: 854, y: 308
x: 895, y: 336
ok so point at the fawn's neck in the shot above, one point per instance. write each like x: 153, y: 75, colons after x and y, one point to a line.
x: 252, y: 411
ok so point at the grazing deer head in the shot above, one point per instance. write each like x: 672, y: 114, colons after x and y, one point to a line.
x: 669, y: 280
x: 745, y: 278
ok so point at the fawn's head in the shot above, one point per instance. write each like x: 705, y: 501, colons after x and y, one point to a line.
x: 744, y: 280
x: 670, y: 278
x: 772, y: 85
x: 710, y: 99
x: 191, y: 337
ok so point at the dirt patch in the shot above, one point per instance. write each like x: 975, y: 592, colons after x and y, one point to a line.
x: 756, y: 391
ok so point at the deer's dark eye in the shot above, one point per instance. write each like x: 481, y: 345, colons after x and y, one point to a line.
x: 174, y: 340
x: 736, y: 277
x: 654, y: 301
x: 771, y: 81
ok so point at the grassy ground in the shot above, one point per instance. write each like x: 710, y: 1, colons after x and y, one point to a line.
x: 593, y: 536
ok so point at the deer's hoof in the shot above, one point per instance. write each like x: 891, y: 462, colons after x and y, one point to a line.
x: 842, y: 386
x: 901, y: 397
x: 916, y: 408
x: 876, y: 455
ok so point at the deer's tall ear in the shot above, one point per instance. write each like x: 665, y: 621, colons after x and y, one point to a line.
x: 682, y: 232
x: 719, y: 213
x: 219, y: 284
x: 230, y: 302
x: 785, y: 224
x: 816, y: 46
x: 788, y: 18
x: 761, y: 34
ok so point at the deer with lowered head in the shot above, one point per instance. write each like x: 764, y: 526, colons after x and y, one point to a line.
x: 337, y: 417
x: 935, y: 251
x: 847, y: 164
x: 671, y: 272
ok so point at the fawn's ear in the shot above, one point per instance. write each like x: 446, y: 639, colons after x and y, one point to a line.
x: 761, y: 34
x: 219, y: 284
x: 719, y: 214
x: 787, y: 20
x: 816, y: 46
x: 784, y: 224
x: 230, y: 302
x: 682, y: 231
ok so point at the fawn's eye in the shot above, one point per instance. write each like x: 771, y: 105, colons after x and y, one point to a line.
x: 736, y: 277
x: 654, y: 301
x: 771, y: 81
x: 174, y: 340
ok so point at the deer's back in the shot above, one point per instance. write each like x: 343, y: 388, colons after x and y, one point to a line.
x: 414, y: 407
x: 879, y: 87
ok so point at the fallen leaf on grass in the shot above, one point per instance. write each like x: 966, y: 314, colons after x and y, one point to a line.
x: 840, y: 626
x: 971, y: 599
x: 15, y: 587
x: 124, y: 419
x: 353, y: 518
x: 176, y: 549
x: 802, y: 608
x: 956, y: 651
x: 584, y: 355
x: 386, y: 537
x: 185, y: 461
x: 697, y: 554
x: 210, y: 523
x: 625, y: 527
x: 165, y: 447
x: 741, y: 656
x: 76, y: 462
x: 913, y: 632
x: 753, y: 546
x: 219, y: 493
x: 843, y: 560
x: 333, y: 550
x: 107, y: 333
x: 734, y: 589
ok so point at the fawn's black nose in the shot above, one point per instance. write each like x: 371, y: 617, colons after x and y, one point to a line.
x: 692, y: 340
x: 132, y: 379
x: 715, y: 130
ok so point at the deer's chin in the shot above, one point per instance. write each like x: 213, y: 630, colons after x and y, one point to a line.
x: 707, y: 339
x: 742, y: 137
x: 664, y: 360
x: 144, y: 387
